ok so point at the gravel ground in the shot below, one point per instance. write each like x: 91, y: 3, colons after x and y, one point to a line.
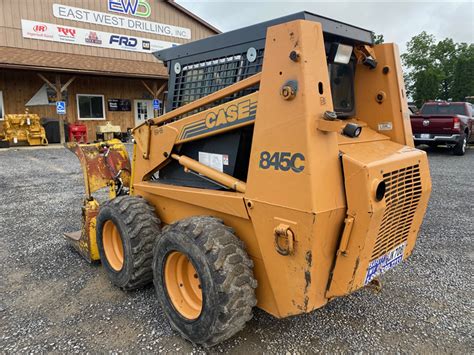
x: 52, y: 300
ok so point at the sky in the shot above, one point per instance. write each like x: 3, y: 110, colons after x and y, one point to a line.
x: 397, y: 21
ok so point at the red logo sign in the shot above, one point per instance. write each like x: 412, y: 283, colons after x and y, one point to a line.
x: 40, y: 28
x: 67, y: 31
x: 93, y: 38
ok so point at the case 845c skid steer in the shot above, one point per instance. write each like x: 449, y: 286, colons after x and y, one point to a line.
x: 283, y: 176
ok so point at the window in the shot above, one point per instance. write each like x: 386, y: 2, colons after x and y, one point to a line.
x: 2, y: 111
x: 341, y: 77
x: 444, y: 108
x: 90, y: 107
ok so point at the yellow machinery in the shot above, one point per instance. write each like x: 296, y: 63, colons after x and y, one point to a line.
x: 104, y: 165
x: 24, y: 129
x: 107, y: 131
x: 283, y: 176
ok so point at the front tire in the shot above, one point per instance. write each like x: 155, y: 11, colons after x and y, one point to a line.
x: 204, y: 280
x: 127, y: 227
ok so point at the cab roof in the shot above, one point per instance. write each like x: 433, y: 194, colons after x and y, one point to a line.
x: 333, y: 30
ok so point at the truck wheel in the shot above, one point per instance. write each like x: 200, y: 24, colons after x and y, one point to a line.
x: 460, y: 147
x: 127, y: 227
x: 204, y: 281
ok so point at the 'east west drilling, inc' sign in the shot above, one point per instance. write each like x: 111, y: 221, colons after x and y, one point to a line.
x: 134, y: 24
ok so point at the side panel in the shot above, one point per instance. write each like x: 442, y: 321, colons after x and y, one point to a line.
x: 295, y: 172
x: 380, y: 96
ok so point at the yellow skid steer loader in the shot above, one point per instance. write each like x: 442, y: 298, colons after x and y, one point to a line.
x: 283, y: 176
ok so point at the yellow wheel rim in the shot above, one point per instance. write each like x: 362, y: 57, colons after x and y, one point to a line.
x: 113, y: 247
x: 183, y: 285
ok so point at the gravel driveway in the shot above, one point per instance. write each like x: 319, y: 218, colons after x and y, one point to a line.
x: 52, y: 300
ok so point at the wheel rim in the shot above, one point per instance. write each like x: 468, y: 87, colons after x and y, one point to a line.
x: 113, y: 246
x: 183, y: 285
x: 464, y: 144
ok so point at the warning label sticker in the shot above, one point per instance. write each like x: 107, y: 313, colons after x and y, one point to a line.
x: 212, y: 160
x: 385, y: 262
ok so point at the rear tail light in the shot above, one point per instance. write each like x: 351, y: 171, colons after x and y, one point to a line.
x: 456, y: 123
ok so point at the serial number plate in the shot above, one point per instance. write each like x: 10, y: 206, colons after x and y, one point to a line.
x: 385, y: 262
x: 425, y: 136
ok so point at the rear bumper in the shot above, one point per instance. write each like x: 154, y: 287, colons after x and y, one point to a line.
x: 454, y: 138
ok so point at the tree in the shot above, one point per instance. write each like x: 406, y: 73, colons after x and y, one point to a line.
x: 378, y: 39
x: 438, y: 70
x: 463, y: 77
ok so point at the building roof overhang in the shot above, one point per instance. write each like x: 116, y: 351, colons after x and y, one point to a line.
x: 19, y: 58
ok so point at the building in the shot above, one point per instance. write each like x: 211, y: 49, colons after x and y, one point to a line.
x: 95, y: 55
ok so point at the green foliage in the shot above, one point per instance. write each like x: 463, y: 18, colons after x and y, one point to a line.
x: 441, y: 70
x: 378, y: 39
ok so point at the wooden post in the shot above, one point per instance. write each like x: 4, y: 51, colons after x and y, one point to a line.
x: 155, y: 89
x: 59, y: 97
x: 155, y: 92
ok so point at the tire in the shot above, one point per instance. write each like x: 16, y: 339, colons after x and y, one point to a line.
x: 127, y: 227
x: 222, y: 269
x: 460, y: 147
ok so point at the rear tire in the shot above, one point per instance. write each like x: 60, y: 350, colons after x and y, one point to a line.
x: 220, y: 303
x: 461, y: 145
x: 127, y: 227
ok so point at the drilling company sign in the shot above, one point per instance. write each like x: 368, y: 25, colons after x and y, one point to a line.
x: 65, y: 34
x: 138, y: 8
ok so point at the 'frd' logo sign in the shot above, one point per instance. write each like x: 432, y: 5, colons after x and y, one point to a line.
x: 40, y: 28
x: 140, y: 8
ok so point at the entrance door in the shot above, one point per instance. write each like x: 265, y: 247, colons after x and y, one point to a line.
x: 143, y: 111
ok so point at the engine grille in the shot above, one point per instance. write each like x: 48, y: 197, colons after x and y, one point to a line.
x: 403, y: 192
x: 200, y: 79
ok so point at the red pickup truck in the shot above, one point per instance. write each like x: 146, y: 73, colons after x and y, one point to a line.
x: 449, y: 123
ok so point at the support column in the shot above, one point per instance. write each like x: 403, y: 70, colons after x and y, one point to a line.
x: 59, y: 96
x: 155, y: 92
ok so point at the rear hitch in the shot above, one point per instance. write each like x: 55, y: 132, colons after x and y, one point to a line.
x: 375, y: 285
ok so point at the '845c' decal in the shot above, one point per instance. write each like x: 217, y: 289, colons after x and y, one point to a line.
x: 283, y: 161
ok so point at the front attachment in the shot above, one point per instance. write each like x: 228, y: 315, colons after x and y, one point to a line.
x: 104, y: 164
x: 84, y: 241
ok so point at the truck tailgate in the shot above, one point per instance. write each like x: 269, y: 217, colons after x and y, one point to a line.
x: 432, y: 124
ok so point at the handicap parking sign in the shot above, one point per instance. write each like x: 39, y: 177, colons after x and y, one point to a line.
x: 156, y: 104
x: 61, y: 107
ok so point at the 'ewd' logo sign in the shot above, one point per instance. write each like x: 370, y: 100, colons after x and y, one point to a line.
x: 140, y: 8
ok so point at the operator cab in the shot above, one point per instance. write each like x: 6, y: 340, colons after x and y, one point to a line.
x: 200, y: 68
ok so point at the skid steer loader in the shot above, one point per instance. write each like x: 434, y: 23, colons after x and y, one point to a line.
x: 282, y: 176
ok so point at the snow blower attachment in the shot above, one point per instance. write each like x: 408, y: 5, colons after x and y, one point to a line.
x: 104, y: 164
x: 283, y: 175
